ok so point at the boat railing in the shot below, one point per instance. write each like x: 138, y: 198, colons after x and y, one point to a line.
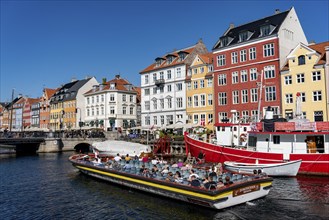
x: 292, y: 126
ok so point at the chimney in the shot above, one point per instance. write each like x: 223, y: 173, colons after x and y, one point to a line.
x: 232, y: 25
x: 117, y: 76
x: 277, y: 11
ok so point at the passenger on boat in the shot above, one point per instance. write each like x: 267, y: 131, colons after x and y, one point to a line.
x: 180, y: 163
x: 194, y: 182
x: 192, y: 173
x: 127, y: 158
x: 165, y: 170
x: 142, y: 169
x: 127, y: 166
x: 228, y: 180
x: 212, y: 172
x: 170, y: 177
x: 145, y: 159
x: 155, y: 161
x: 219, y: 169
x: 154, y: 169
x: 210, y: 184
x: 117, y: 158
x: 178, y: 177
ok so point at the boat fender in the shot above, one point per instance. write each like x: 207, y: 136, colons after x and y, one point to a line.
x: 243, y: 137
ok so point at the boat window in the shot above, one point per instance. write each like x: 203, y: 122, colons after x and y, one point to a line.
x: 276, y: 139
x: 245, y: 129
x: 234, y: 129
x: 223, y: 128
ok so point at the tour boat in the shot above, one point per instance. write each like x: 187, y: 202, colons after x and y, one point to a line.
x: 269, y: 141
x: 238, y: 190
x: 276, y: 169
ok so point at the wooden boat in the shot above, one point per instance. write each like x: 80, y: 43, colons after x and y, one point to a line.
x: 240, y: 189
x: 277, y: 169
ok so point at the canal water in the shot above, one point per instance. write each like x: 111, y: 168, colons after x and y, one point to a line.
x: 47, y: 186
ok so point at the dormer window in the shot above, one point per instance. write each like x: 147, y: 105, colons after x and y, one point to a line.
x: 244, y: 36
x: 266, y: 30
x: 301, y: 60
x: 158, y: 61
x: 224, y: 41
x: 112, y: 86
x: 169, y: 59
x: 182, y: 56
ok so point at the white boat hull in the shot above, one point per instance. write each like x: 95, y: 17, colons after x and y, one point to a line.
x: 278, y: 169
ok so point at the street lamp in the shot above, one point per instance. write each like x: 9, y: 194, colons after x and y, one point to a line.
x: 80, y: 122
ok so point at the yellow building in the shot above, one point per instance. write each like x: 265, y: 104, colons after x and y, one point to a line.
x: 69, y: 118
x: 304, y: 74
x: 199, y: 91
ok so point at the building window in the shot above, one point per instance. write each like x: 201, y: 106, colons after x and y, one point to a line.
x: 124, y: 110
x: 189, y: 101
x: 235, y: 97
x: 253, y: 74
x: 222, y: 98
x: 235, y: 77
x: 92, y: 99
x: 234, y: 57
x: 124, y: 98
x: 201, y: 69
x: 88, y: 100
x: 317, y: 96
x: 244, y: 94
x: 222, y: 79
x: 270, y: 93
x: 147, y: 105
x: 169, y: 119
x: 162, y: 119
x: 195, y: 70
x: 169, y: 103
x: 155, y: 90
x: 179, y: 86
x: 88, y: 112
x: 316, y: 76
x: 155, y: 120
x: 209, y: 99
x: 203, y: 100
x: 155, y: 105
x: 195, y: 119
x: 196, y: 101
x: 146, y: 79
x: 222, y: 115
x: 179, y: 102
x: 102, y: 110
x: 300, y: 78
x: 252, y: 53
x: 301, y: 60
x: 162, y: 103
x: 254, y: 95
x: 97, y: 99
x: 318, y: 115
x: 303, y: 97
x: 289, y: 99
x: 201, y: 83
x: 147, y: 120
x: 112, y: 110
x: 112, y: 99
x: 161, y: 88
x: 168, y: 88
x: 288, y: 80
x: 168, y: 74
x: 154, y: 77
x: 195, y: 84
x: 178, y: 72
x: 221, y: 60
x: 265, y: 30
x: 161, y: 75
x: 243, y: 36
x: 209, y: 82
x: 131, y: 110
x: 268, y: 50
x: 269, y: 72
x: 243, y: 55
x: 102, y: 98
x: 210, y: 118
x: 244, y: 76
x: 131, y: 98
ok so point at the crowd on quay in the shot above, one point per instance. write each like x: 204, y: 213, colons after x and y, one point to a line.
x: 208, y: 177
x: 55, y: 134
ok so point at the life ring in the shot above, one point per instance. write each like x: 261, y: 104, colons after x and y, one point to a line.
x: 243, y: 137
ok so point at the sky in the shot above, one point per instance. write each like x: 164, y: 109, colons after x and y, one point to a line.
x: 45, y: 44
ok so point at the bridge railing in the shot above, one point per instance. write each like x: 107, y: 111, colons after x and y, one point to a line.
x: 57, y: 134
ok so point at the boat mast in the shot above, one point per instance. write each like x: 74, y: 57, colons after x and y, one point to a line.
x: 260, y: 86
x: 11, y: 110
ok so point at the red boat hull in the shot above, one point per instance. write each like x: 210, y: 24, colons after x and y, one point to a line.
x: 312, y: 164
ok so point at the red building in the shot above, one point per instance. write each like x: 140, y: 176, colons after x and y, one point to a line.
x: 247, y: 62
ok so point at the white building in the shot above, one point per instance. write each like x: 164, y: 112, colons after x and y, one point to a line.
x: 112, y: 105
x: 163, y: 88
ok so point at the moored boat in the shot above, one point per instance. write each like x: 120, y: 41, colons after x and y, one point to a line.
x: 277, y: 169
x: 240, y: 188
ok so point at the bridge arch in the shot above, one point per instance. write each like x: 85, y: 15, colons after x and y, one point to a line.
x: 82, y: 147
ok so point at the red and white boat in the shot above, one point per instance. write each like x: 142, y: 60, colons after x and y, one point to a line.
x: 268, y: 142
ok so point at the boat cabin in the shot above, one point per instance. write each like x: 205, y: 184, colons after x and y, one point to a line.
x: 231, y: 134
